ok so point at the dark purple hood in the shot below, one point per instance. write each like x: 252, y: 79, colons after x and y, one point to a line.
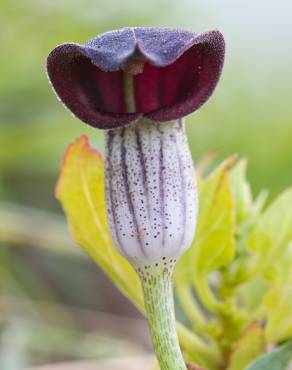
x: 174, y: 71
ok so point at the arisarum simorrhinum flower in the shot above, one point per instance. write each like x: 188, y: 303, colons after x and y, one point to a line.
x: 137, y: 84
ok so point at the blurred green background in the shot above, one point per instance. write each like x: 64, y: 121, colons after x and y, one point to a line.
x: 54, y: 303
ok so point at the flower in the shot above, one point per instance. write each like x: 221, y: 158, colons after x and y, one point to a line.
x: 138, y: 84
x: 174, y: 73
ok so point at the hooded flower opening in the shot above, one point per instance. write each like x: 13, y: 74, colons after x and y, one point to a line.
x: 174, y: 73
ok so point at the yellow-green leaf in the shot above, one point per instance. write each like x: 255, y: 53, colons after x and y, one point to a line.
x: 247, y: 209
x: 278, y: 303
x: 241, y: 190
x: 80, y: 189
x: 281, y: 271
x: 214, y: 244
x: 248, y: 348
x: 273, y: 232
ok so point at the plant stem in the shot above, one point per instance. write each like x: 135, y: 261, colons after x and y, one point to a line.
x: 158, y: 297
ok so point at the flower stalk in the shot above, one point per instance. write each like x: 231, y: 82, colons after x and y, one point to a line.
x: 158, y: 296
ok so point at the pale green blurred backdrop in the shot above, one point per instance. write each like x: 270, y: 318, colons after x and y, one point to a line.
x: 250, y: 114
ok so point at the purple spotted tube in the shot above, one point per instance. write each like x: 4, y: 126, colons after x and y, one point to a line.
x: 151, y: 193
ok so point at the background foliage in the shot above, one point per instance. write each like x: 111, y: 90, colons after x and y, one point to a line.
x: 47, y: 291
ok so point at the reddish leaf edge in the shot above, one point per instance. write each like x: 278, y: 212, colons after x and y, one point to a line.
x: 85, y: 145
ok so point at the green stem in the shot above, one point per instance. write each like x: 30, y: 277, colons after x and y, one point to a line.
x: 158, y: 297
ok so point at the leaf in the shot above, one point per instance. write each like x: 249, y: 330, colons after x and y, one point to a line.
x: 249, y: 347
x: 214, y: 244
x: 276, y: 360
x: 80, y: 189
x: 281, y: 271
x: 273, y: 232
x: 252, y: 292
x: 247, y: 209
x: 278, y: 303
x: 241, y: 190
